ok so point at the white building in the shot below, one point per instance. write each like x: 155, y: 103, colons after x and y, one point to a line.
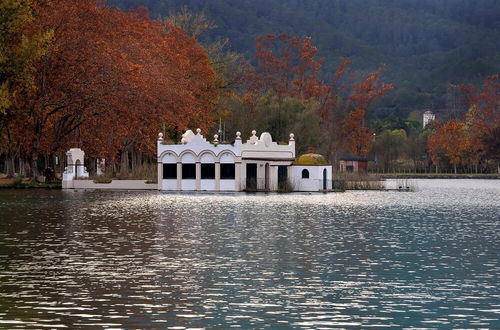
x: 428, y: 117
x: 75, y: 168
x: 260, y: 164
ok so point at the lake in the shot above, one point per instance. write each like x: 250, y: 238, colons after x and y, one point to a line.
x: 428, y: 258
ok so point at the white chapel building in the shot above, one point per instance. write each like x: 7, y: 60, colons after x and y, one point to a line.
x: 259, y: 164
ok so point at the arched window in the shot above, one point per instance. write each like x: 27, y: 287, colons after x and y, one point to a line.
x: 305, y: 174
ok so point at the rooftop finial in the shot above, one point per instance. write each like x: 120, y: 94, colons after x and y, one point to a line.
x: 238, y: 135
x: 198, y: 130
x: 292, y: 137
x: 253, y: 139
x: 216, y: 139
x: 160, y: 136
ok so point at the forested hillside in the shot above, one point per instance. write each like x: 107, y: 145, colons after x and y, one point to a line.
x: 346, y: 77
x: 426, y: 44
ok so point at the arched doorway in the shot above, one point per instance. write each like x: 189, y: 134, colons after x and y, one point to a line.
x: 324, y: 180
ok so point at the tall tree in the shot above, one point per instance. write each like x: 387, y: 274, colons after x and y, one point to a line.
x: 111, y: 86
x: 20, y: 48
x: 450, y: 140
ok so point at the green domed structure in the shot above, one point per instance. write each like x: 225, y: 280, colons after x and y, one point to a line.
x: 310, y: 159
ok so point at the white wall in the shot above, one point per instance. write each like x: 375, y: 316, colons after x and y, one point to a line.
x: 113, y: 185
x: 315, y: 181
x: 228, y: 185
x: 170, y: 184
x: 207, y: 185
x: 188, y: 184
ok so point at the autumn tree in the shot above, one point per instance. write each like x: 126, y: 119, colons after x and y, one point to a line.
x: 344, y: 109
x: 109, y: 88
x: 20, y: 47
x: 486, y: 100
x: 451, y: 141
x: 286, y: 67
x: 230, y: 67
x: 491, y: 143
x: 289, y: 66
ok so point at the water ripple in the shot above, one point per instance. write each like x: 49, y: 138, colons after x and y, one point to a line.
x: 152, y: 260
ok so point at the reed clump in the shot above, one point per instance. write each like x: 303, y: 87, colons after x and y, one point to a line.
x: 358, y: 181
x: 146, y: 172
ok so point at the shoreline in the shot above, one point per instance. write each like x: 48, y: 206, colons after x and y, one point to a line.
x: 437, y: 176
x: 31, y: 186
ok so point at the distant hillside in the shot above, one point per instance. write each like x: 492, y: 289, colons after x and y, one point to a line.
x: 426, y: 44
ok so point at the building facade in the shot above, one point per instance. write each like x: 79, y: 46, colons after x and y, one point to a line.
x: 259, y: 164
x: 353, y: 164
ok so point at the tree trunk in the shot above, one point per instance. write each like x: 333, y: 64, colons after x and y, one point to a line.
x: 124, y: 163
x: 35, y: 173
x: 10, y: 165
x: 455, y: 168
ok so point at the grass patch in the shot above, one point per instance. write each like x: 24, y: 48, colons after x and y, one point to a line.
x: 20, y: 185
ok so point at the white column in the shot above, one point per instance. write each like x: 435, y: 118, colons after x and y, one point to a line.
x: 179, y: 176
x: 160, y: 176
x: 198, y: 176
x: 217, y: 176
x: 237, y: 176
x: 261, y: 175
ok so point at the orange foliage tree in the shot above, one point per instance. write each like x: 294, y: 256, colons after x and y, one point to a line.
x: 472, y: 140
x: 110, y: 80
x: 345, y: 107
x: 288, y: 66
x: 449, y: 140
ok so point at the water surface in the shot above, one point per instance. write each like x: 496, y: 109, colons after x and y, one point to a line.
x: 356, y: 259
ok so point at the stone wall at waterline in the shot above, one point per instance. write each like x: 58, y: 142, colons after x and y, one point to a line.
x: 113, y: 185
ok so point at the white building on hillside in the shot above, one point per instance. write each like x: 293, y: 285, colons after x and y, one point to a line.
x: 428, y: 117
x: 260, y: 164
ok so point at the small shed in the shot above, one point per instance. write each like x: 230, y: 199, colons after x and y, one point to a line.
x: 311, y: 172
x: 353, y: 164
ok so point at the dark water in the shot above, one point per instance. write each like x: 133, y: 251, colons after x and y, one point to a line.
x: 359, y: 259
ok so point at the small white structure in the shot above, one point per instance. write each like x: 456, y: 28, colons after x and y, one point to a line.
x: 311, y: 172
x: 428, y: 117
x: 75, y: 168
x: 260, y: 164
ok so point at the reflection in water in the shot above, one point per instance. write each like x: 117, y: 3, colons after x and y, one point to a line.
x: 146, y: 259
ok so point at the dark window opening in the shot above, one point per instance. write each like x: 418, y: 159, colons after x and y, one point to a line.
x: 227, y: 172
x: 251, y: 177
x: 282, y: 178
x: 169, y: 171
x: 208, y: 171
x: 189, y: 171
x: 305, y: 174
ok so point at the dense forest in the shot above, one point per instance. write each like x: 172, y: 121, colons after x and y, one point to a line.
x: 349, y: 78
x: 429, y: 46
